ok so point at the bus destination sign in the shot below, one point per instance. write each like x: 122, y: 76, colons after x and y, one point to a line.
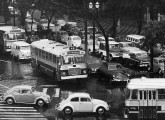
x: 73, y: 52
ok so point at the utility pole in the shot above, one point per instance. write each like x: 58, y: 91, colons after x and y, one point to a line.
x: 85, y: 24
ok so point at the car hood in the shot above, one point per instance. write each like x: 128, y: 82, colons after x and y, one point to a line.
x: 40, y: 93
x: 96, y: 101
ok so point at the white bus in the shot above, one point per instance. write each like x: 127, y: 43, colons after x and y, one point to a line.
x: 58, y: 60
x: 9, y: 34
x: 20, y: 50
x: 135, y: 38
x: 145, y: 99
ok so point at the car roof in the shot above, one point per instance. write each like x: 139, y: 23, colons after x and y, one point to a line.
x: 79, y: 94
x: 136, y: 36
x: 22, y: 86
x: 21, y: 43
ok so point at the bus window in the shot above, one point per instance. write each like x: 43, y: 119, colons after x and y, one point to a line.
x: 50, y: 57
x: 150, y: 95
x: 161, y: 93
x: 43, y: 54
x: 134, y: 94
x: 67, y: 60
x: 54, y: 58
x: 46, y: 54
x: 40, y: 54
x: 141, y: 95
x: 145, y: 95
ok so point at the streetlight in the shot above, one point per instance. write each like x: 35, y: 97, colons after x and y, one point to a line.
x: 94, y: 7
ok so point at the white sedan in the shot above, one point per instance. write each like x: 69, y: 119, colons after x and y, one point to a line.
x: 82, y: 102
x: 25, y: 94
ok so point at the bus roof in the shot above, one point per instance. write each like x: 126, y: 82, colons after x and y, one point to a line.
x: 136, y: 36
x: 21, y: 43
x: 111, y: 42
x: 53, y: 47
x: 146, y: 83
x: 8, y: 29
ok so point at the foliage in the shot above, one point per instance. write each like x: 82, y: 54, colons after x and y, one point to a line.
x: 155, y: 33
x: 24, y: 6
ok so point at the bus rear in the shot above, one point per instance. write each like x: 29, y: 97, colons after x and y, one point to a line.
x: 10, y: 34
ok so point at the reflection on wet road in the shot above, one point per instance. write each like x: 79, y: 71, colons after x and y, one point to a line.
x: 58, y: 91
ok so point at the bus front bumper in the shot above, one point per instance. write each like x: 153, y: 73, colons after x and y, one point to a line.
x: 73, y: 77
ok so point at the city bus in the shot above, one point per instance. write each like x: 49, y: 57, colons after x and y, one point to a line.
x: 145, y: 99
x: 8, y: 35
x: 58, y: 60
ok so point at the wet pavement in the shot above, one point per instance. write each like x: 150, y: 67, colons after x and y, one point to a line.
x: 115, y: 96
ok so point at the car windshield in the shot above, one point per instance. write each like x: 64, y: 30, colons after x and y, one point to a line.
x: 33, y: 89
x: 112, y: 67
x: 141, y: 55
x: 161, y: 61
x: 76, y: 38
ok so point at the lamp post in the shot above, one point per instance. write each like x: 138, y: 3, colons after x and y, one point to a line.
x: 94, y: 7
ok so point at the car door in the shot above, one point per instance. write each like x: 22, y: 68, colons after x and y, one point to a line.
x: 17, y: 95
x: 85, y: 105
x: 27, y: 96
x: 75, y: 103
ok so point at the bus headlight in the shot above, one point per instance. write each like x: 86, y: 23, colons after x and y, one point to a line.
x: 84, y: 71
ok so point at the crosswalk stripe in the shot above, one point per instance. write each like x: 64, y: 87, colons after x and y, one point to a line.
x: 18, y: 113
x: 23, y: 119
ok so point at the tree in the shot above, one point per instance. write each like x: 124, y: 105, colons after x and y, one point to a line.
x: 6, y: 13
x: 24, y: 6
x: 155, y: 33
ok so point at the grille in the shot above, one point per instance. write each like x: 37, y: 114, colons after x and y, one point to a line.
x: 74, y: 71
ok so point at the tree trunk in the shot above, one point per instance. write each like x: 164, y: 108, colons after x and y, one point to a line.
x: 106, y: 39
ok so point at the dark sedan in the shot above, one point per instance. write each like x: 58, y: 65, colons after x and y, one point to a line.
x: 114, y: 72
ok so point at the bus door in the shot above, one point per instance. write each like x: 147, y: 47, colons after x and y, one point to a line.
x: 147, y: 105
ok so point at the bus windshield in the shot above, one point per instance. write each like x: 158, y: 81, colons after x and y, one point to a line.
x: 13, y: 36
x: 20, y: 35
x: 73, y: 59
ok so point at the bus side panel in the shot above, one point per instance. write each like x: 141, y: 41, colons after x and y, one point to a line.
x: 47, y: 69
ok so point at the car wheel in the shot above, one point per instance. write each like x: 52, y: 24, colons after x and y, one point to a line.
x: 40, y: 103
x: 10, y: 101
x: 100, y: 110
x: 68, y: 110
